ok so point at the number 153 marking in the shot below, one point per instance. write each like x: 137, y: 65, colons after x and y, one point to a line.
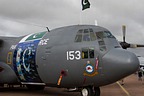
x: 71, y: 55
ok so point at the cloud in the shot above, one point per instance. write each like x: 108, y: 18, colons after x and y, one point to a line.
x: 23, y: 15
x: 13, y: 28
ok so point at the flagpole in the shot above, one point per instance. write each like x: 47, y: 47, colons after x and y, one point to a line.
x: 80, y: 15
x: 80, y: 18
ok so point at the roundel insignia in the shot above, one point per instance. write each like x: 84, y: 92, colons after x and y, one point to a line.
x: 89, y: 68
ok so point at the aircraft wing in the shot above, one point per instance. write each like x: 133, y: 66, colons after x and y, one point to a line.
x: 141, y: 59
x: 139, y: 53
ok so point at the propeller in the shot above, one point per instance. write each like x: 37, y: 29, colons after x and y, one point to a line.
x: 126, y: 45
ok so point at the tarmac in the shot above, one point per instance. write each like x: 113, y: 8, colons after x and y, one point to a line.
x: 132, y: 87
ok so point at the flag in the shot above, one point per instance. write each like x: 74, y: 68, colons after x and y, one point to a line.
x: 85, y: 4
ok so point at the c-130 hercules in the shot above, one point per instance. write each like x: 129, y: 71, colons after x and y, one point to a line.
x: 79, y: 56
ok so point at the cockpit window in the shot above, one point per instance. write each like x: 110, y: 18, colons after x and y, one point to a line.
x: 108, y: 34
x: 104, y: 34
x: 101, y: 42
x: 84, y: 53
x: 86, y: 31
x: 92, y: 35
x: 78, y: 37
x: 85, y: 35
x: 91, y: 52
x: 100, y: 35
x: 87, y: 53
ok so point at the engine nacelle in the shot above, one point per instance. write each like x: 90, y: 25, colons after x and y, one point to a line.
x: 7, y: 75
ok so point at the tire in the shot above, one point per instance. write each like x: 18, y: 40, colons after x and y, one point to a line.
x: 87, y: 91
x: 97, y: 91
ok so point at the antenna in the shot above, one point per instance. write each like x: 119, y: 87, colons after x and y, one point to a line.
x: 47, y: 29
x: 96, y: 23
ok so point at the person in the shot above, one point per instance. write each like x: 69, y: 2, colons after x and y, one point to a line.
x: 122, y: 81
x: 140, y: 74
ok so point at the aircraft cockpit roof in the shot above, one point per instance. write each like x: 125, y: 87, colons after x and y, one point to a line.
x: 80, y: 33
x: 89, y: 34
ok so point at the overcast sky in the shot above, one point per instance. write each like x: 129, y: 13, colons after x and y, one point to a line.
x: 21, y: 17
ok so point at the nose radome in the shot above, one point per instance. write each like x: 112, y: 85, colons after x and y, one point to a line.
x: 119, y: 63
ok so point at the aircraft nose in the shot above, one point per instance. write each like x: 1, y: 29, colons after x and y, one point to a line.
x: 119, y: 63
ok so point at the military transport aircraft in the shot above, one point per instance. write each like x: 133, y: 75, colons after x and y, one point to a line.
x: 79, y: 56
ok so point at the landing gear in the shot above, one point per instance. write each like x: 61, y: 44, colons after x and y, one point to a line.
x: 87, y: 91
x: 96, y: 91
x: 90, y: 91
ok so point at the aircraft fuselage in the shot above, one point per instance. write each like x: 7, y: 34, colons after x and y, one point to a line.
x: 73, y: 56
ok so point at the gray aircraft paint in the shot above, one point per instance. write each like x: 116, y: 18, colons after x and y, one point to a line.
x: 53, y: 64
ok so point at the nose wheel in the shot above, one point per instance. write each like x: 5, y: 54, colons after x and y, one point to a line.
x: 90, y: 91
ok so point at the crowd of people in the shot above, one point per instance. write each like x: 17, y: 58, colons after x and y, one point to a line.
x: 140, y: 75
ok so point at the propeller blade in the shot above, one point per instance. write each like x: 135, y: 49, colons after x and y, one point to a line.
x: 126, y: 45
x: 124, y: 32
x: 140, y: 45
x: 135, y: 45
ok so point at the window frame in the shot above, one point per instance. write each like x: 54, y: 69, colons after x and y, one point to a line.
x: 88, y: 53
